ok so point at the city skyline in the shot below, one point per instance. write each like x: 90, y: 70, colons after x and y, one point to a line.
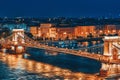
x: 65, y: 8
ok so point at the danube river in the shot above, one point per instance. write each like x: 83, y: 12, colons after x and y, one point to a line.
x: 47, y: 65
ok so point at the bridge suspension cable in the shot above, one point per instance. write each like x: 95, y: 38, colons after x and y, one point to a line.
x: 28, y: 42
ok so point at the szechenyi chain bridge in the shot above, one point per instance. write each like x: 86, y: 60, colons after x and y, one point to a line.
x: 110, y: 60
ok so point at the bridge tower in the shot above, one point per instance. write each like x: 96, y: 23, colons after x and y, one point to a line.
x: 16, y: 36
x: 109, y: 48
x: 18, y: 40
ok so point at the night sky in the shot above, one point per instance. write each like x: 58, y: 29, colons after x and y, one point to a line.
x: 57, y: 8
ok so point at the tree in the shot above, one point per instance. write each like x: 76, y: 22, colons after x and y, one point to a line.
x: 90, y: 35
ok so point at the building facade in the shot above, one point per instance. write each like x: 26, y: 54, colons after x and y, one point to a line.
x: 46, y: 30
x: 84, y: 31
x: 52, y: 32
x: 65, y: 32
x: 109, y: 29
x: 34, y: 31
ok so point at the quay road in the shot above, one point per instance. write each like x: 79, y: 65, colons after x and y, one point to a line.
x: 90, y: 39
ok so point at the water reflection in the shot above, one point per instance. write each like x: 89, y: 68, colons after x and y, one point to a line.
x: 66, y: 61
x: 111, y: 68
x: 17, y: 64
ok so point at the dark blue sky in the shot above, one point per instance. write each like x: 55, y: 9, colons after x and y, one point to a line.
x: 55, y: 8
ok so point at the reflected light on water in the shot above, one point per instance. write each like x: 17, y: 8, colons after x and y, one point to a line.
x: 17, y: 62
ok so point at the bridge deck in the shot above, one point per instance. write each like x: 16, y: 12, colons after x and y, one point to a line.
x: 31, y: 43
x: 98, y: 57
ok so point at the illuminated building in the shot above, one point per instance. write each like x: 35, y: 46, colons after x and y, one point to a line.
x: 52, y: 32
x: 65, y: 32
x: 34, y: 30
x: 109, y: 29
x: 83, y: 31
x: 47, y: 30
